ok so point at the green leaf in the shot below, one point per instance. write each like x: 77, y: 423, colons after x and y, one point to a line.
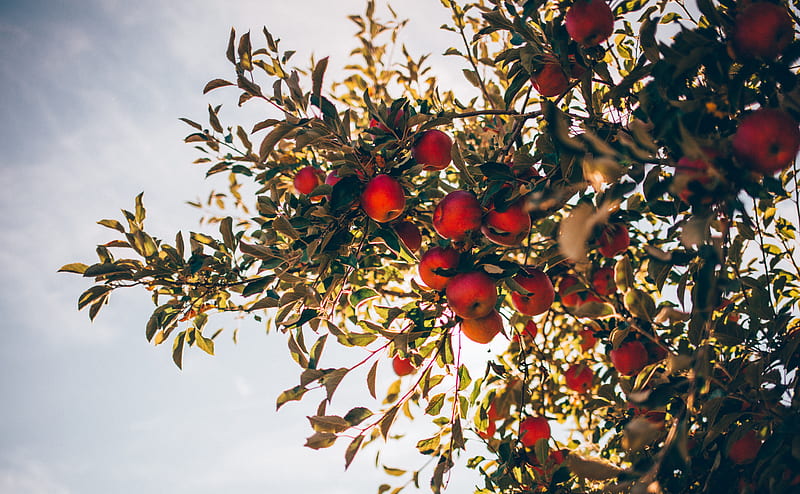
x: 328, y: 423
x: 320, y: 440
x: 293, y: 394
x: 256, y: 286
x: 177, y: 349
x: 352, y: 449
x: 92, y: 295
x: 357, y: 415
x: 216, y: 83
x: 203, y: 343
x: 75, y: 267
x: 113, y: 224
x: 362, y: 295
x: 316, y: 78
x: 435, y: 404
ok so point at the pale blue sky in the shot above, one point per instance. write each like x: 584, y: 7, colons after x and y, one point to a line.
x: 91, y: 93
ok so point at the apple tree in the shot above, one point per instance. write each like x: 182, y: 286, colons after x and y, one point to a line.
x: 614, y: 206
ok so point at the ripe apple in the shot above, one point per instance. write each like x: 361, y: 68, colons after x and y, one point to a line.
x: 588, y: 339
x: 432, y: 150
x: 629, y: 358
x: 332, y: 178
x: 437, y: 258
x: 579, y: 378
x: 613, y: 240
x: 767, y: 140
x: 529, y: 331
x: 410, y: 235
x: 471, y: 295
x: 457, y: 214
x: 483, y: 329
x: 383, y: 198
x: 307, y: 179
x: 494, y: 414
x: 542, y: 294
x: 402, y: 366
x: 589, y: 22
x: 572, y: 299
x: 763, y: 30
x: 550, y: 80
x: 509, y: 227
x: 745, y: 449
x: 603, y: 281
x: 532, y: 429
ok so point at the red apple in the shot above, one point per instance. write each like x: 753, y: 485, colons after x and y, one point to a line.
x: 745, y: 449
x: 588, y: 339
x: 307, y: 179
x: 432, y: 150
x: 603, y: 281
x: 509, y: 227
x: 437, y: 258
x: 589, y: 22
x: 542, y: 293
x: 767, y: 140
x: 483, y: 329
x: 532, y: 429
x: 763, y: 30
x: 383, y: 198
x: 573, y: 298
x: 458, y: 214
x: 629, y: 358
x: 410, y: 235
x: 579, y: 378
x: 402, y: 366
x: 613, y: 240
x: 332, y: 178
x: 550, y: 80
x: 494, y: 414
x: 471, y: 295
x: 528, y: 333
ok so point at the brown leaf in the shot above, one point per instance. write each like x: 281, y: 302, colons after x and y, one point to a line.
x: 320, y: 440
x: 216, y: 83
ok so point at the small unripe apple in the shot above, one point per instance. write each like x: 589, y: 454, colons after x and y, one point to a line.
x: 383, y: 198
x: 767, y: 140
x: 542, y: 293
x: 532, y: 429
x: 437, y: 258
x: 307, y: 179
x: 550, y: 80
x: 432, y: 150
x: 579, y: 378
x: 603, y: 281
x: 629, y: 358
x: 483, y: 329
x: 410, y: 235
x: 471, y: 295
x: 457, y: 214
x: 589, y: 22
x: 745, y: 449
x: 763, y: 30
x: 613, y: 240
x: 402, y: 366
x: 509, y: 227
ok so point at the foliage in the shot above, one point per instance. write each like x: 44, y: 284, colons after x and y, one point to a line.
x: 709, y: 286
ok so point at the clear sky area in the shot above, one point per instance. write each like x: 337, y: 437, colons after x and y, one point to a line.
x: 90, y: 96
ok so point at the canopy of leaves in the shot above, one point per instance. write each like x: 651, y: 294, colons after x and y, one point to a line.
x: 691, y: 333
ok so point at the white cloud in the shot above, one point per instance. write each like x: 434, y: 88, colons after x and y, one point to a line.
x: 29, y: 477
